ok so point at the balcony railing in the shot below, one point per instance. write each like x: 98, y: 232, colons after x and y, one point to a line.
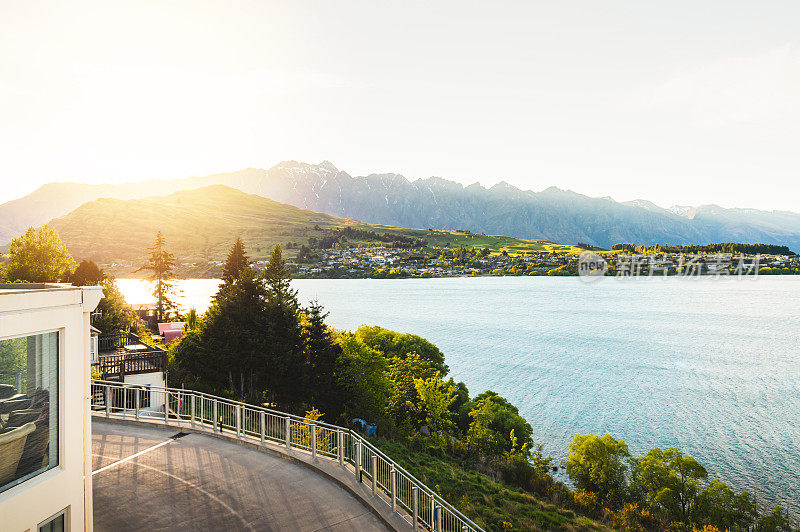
x: 132, y: 363
x: 110, y: 342
x: 414, y: 501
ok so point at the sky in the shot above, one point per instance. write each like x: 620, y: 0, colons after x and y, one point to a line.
x: 675, y: 102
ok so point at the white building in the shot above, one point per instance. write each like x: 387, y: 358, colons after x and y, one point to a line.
x: 45, y: 425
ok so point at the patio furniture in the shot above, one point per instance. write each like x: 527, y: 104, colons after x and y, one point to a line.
x: 17, y: 418
x: 12, y: 444
x: 9, y: 405
x: 7, y: 390
x: 34, y: 456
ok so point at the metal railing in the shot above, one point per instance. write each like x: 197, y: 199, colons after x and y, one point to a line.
x: 109, y: 342
x: 132, y: 363
x: 411, y: 499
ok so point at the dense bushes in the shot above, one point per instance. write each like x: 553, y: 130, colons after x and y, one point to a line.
x: 660, y: 490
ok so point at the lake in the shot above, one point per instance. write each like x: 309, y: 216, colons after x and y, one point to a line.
x: 711, y: 367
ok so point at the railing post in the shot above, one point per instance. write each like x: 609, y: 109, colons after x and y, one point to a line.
x: 340, y: 446
x: 192, y: 409
x: 438, y: 520
x: 357, y: 460
x: 288, y: 434
x: 166, y: 407
x: 263, y: 426
x: 374, y: 474
x: 393, y: 488
x: 108, y: 400
x: 314, y: 441
x: 138, y: 401
x: 19, y: 383
x: 414, y: 512
x: 238, y: 421
x: 215, y: 412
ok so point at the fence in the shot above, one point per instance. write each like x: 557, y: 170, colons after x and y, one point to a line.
x: 133, y: 363
x: 415, y: 502
x: 109, y: 342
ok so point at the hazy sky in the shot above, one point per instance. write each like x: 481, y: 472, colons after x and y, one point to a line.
x: 676, y: 102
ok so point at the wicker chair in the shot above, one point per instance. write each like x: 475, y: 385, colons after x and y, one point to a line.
x: 12, y: 444
x: 7, y: 390
x: 9, y: 405
x: 17, y: 418
x: 34, y: 456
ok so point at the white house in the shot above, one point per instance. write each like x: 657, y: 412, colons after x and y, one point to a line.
x: 45, y: 425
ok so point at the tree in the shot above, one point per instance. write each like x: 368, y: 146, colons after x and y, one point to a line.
x: 598, y: 465
x: 480, y: 438
x: 279, y: 278
x: 404, y: 400
x: 236, y: 261
x: 87, y: 274
x: 436, y: 396
x: 113, y: 314
x: 161, y: 263
x: 285, y: 350
x: 776, y: 521
x: 37, y: 256
x: 363, y: 375
x: 504, y: 419
x: 398, y: 345
x: 226, y: 353
x: 192, y: 321
x: 322, y: 353
x: 670, y: 482
x: 718, y: 505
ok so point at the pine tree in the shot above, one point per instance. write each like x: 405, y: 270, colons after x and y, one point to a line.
x: 322, y: 353
x: 227, y: 351
x: 278, y: 278
x: 161, y: 263
x: 285, y: 351
x: 236, y: 261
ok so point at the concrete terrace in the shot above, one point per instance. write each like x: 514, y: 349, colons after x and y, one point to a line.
x: 199, y: 482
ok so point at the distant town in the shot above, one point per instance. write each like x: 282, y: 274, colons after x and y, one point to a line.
x: 380, y: 262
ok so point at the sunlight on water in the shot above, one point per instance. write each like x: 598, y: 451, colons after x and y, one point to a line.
x: 711, y: 367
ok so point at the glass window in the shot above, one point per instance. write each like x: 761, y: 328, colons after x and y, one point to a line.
x: 28, y: 407
x: 56, y: 524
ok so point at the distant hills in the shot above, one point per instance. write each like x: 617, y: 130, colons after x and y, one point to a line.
x: 201, y: 224
x: 391, y: 199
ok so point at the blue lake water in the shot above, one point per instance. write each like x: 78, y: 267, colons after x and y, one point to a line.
x: 711, y: 367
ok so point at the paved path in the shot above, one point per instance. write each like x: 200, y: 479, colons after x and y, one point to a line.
x: 201, y: 483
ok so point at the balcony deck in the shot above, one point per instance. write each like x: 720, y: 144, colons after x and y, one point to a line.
x: 125, y: 354
x: 199, y: 482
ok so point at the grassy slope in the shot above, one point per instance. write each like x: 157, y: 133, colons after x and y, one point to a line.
x: 488, y: 502
x: 201, y: 224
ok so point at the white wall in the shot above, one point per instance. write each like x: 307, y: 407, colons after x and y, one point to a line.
x: 150, y: 379
x: 66, y: 310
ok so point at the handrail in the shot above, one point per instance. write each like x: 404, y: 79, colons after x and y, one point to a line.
x: 408, y: 496
x: 115, y: 340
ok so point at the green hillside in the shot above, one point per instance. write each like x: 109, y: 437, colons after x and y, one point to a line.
x: 200, y: 225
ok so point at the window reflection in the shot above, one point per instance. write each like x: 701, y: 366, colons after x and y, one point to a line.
x: 28, y: 407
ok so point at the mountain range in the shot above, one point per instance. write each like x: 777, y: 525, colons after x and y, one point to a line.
x: 553, y: 214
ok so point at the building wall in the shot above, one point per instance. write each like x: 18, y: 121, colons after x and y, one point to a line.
x: 25, y: 312
x: 155, y: 379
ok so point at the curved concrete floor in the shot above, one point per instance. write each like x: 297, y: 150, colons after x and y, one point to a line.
x: 199, y: 482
